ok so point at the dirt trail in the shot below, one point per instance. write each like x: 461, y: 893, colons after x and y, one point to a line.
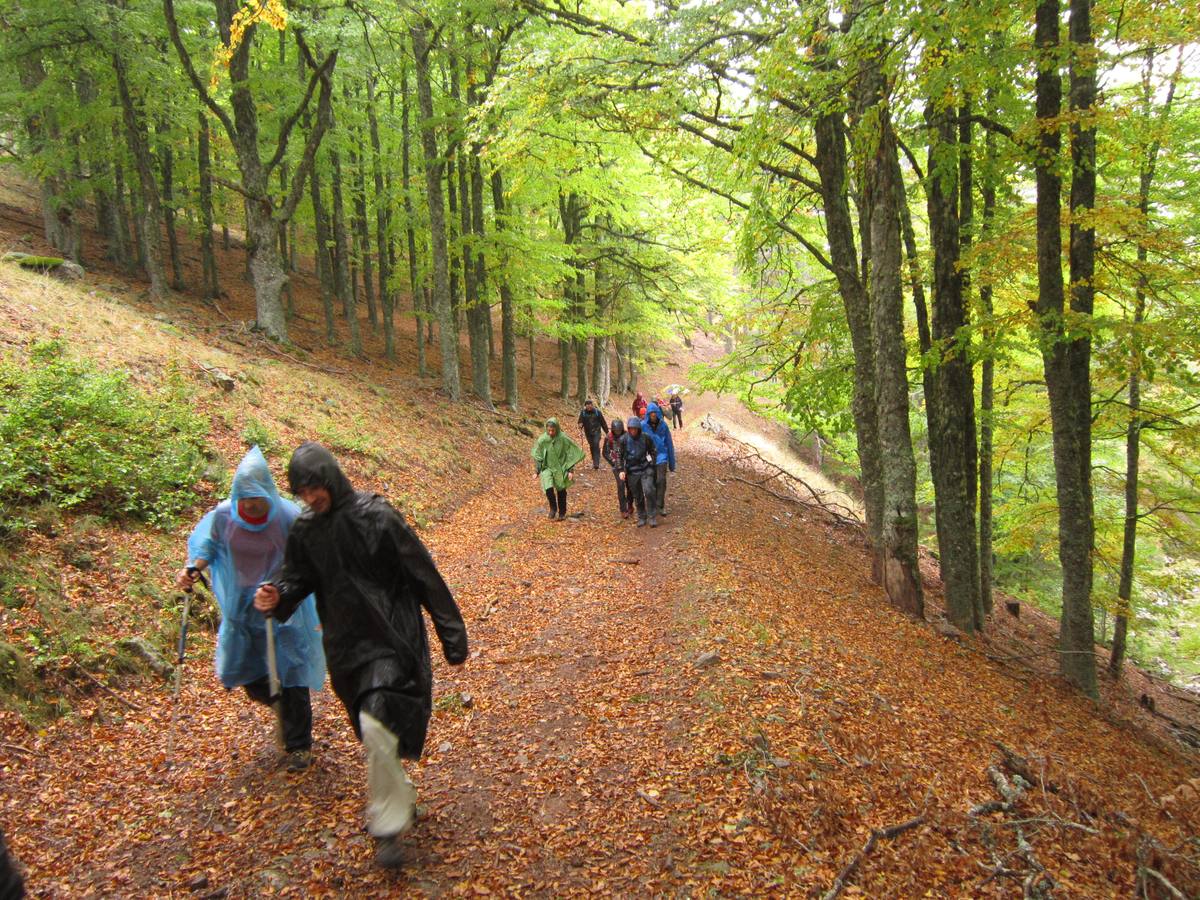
x: 596, y: 757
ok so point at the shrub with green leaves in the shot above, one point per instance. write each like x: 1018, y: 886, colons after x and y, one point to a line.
x: 89, y: 440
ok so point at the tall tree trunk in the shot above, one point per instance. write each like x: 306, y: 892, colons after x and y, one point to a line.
x: 321, y: 254
x: 421, y: 311
x: 437, y: 215
x: 508, y: 336
x: 1133, y: 431
x: 582, y: 388
x: 481, y: 376
x: 952, y: 430
x: 166, y: 159
x: 1072, y: 440
x: 564, y: 358
x: 341, y: 241
x: 987, y: 382
x: 209, y: 285
x: 150, y: 212
x: 454, y: 238
x: 898, y: 565
x: 383, y: 202
x: 830, y: 134
x: 361, y: 232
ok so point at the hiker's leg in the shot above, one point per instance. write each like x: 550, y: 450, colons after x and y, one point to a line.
x: 562, y: 502
x: 553, y: 503
x: 391, y: 796
x: 649, y: 492
x: 622, y: 497
x: 296, y: 708
x: 259, y: 691
x: 594, y: 444
x: 660, y: 487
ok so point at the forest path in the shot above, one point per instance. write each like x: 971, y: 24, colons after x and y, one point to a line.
x: 595, y: 755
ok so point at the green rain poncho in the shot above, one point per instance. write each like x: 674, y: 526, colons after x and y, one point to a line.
x: 555, y: 457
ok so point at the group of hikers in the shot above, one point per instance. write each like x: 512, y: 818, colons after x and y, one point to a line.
x: 341, y: 585
x: 640, y: 453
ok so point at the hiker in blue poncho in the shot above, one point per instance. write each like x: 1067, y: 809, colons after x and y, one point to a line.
x: 660, y: 433
x: 241, y: 543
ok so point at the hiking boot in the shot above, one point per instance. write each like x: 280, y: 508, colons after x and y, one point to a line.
x: 654, y: 523
x: 298, y: 760
x: 641, y: 522
x: 553, y: 515
x: 624, y: 514
x: 662, y: 512
x: 389, y: 854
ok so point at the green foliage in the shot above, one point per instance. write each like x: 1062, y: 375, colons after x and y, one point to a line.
x: 75, y: 437
x: 256, y: 433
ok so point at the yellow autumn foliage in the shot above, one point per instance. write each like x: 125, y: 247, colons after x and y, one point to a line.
x: 268, y: 12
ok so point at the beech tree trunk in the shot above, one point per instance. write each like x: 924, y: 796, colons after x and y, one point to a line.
x: 387, y: 300
x: 437, y: 215
x: 508, y: 336
x: 952, y: 430
x: 1060, y: 358
x: 149, y: 213
x: 898, y: 563
x: 209, y: 284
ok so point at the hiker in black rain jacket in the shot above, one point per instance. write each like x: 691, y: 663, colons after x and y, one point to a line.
x: 612, y: 456
x: 371, y: 576
x: 591, y: 420
x: 638, y: 455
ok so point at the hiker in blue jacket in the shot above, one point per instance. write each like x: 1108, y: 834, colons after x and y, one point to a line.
x: 241, y: 542
x: 658, y: 430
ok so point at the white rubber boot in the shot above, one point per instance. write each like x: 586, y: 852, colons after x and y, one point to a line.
x: 391, y: 795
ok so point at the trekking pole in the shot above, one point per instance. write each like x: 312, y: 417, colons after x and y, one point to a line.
x: 183, y: 627
x: 273, y: 685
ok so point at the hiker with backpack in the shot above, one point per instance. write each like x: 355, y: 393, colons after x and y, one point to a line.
x: 241, y: 543
x: 554, y: 456
x: 638, y: 453
x: 639, y: 405
x: 372, y: 577
x: 612, y: 455
x: 591, y: 420
x: 676, y: 404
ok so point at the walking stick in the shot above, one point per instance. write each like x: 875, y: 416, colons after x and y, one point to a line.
x: 183, y: 627
x: 276, y: 691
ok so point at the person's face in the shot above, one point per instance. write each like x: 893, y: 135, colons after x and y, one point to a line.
x: 254, y: 507
x: 589, y: 407
x: 653, y: 418
x: 552, y: 430
x: 316, y: 497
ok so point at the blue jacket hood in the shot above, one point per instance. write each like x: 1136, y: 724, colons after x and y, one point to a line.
x: 253, y: 479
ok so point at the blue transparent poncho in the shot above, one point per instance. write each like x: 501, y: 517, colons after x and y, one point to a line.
x: 242, y: 555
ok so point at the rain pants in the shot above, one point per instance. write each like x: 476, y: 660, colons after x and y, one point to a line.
x: 240, y: 557
x: 372, y: 577
x: 554, y: 457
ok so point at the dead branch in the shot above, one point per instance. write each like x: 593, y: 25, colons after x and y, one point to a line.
x: 104, y: 687
x: 877, y: 834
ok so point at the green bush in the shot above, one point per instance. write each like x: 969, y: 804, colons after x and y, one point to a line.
x: 88, y: 440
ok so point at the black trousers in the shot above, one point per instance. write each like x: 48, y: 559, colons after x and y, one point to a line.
x: 624, y: 493
x: 296, y: 707
x: 660, y: 487
x: 676, y: 418
x: 594, y: 445
x: 642, y: 489
x: 557, y: 500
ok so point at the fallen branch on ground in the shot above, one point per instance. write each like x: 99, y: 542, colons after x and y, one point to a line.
x: 848, y: 870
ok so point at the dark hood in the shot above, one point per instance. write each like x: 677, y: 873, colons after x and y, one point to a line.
x: 314, y: 466
x: 617, y: 426
x: 653, y: 407
x: 634, y: 422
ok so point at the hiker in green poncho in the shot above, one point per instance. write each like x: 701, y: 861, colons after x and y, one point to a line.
x: 554, y: 456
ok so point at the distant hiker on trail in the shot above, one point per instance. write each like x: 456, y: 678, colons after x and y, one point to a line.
x: 638, y: 452
x: 554, y: 456
x: 242, y: 543
x: 639, y: 406
x: 612, y: 455
x: 657, y: 429
x: 591, y: 420
x: 676, y: 403
x: 371, y: 576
